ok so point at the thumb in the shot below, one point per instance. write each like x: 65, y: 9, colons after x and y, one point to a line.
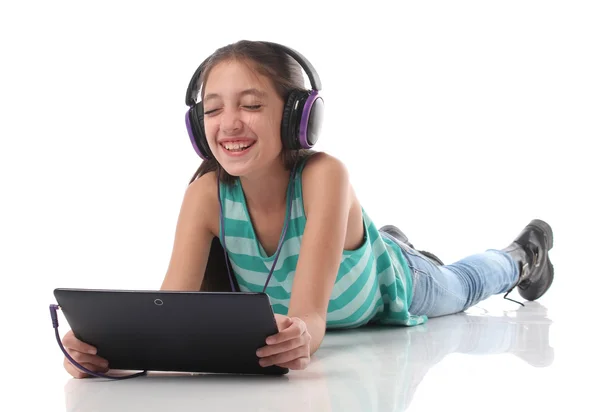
x: 283, y: 322
x: 288, y: 322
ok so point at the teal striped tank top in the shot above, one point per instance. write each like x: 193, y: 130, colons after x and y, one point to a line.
x: 373, y: 283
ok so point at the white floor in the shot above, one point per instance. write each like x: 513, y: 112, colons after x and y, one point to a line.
x: 498, y: 356
x: 465, y: 361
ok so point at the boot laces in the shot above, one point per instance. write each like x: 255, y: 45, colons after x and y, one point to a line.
x: 525, y: 272
x: 512, y: 300
x: 524, y: 275
x: 536, y: 258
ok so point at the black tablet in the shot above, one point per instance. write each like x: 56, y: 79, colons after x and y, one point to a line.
x: 210, y: 332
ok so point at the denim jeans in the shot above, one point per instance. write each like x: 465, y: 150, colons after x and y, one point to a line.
x: 444, y: 290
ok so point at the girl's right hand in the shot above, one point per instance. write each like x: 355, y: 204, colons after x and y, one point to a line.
x: 83, y: 354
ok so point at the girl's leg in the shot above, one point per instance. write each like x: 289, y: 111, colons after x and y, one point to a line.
x: 443, y: 290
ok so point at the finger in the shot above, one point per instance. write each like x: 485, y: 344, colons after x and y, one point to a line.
x: 286, y: 346
x: 76, y: 373
x: 79, y: 374
x: 296, y: 364
x: 87, y: 365
x: 284, y: 357
x: 296, y: 329
x: 283, y: 322
x: 71, y: 342
x: 80, y: 357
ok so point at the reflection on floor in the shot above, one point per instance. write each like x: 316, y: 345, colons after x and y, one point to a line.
x: 370, y: 369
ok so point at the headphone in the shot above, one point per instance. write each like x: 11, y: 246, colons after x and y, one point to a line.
x: 302, y: 113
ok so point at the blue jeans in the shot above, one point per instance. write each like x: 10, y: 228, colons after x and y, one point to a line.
x: 444, y: 290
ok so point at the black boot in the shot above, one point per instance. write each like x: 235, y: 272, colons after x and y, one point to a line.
x: 398, y: 235
x: 530, y: 251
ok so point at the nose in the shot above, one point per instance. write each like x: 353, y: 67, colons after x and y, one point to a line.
x: 230, y: 121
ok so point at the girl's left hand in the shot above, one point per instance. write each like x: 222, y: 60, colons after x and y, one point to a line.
x: 290, y: 348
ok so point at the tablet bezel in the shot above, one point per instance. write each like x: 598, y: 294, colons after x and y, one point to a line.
x: 156, y: 328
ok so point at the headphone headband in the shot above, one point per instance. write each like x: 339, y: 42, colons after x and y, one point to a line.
x: 315, y: 82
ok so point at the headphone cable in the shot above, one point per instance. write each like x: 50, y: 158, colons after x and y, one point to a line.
x: 54, y: 315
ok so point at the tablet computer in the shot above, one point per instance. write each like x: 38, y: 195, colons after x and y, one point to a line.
x: 206, y: 332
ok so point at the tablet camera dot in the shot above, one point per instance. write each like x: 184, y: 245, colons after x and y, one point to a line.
x: 158, y: 302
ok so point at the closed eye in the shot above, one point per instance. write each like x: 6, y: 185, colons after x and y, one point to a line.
x: 253, y: 107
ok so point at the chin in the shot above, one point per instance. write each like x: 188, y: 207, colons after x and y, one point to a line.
x: 235, y: 170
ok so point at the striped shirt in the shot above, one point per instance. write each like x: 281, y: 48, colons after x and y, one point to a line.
x: 373, y: 283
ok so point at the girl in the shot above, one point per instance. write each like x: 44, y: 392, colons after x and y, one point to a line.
x: 291, y: 224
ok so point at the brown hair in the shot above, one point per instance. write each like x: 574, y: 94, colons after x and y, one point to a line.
x: 283, y: 71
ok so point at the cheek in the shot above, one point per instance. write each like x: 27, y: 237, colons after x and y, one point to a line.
x: 263, y: 127
x: 272, y: 127
x: 211, y: 129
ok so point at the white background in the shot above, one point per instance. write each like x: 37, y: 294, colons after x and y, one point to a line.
x: 459, y: 122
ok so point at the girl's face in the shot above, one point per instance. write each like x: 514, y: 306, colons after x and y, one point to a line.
x: 242, y: 118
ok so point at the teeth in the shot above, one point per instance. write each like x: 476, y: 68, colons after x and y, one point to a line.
x: 235, y: 146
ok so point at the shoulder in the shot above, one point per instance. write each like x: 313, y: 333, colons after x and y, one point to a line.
x: 203, y: 184
x: 325, y: 180
x: 201, y: 198
x: 322, y: 167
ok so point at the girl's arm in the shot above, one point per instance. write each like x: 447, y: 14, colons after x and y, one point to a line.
x: 327, y: 198
x: 193, y: 236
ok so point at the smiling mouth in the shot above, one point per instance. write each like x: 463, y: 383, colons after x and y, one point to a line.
x: 237, y: 146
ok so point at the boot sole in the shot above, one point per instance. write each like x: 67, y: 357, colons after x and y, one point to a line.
x: 548, y: 234
x: 546, y: 229
x: 550, y: 268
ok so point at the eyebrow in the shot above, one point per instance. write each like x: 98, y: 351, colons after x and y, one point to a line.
x: 253, y: 91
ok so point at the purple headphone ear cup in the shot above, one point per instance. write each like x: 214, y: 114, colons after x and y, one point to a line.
x: 302, y: 119
x: 195, y: 126
x: 190, y: 130
x: 311, y: 120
